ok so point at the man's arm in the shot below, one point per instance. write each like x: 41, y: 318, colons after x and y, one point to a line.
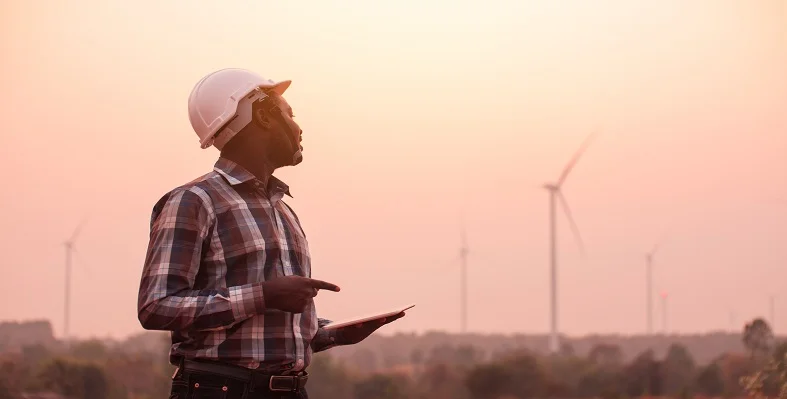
x: 167, y: 300
x: 324, y: 339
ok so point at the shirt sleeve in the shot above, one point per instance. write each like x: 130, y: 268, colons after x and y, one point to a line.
x: 324, y: 339
x: 180, y: 225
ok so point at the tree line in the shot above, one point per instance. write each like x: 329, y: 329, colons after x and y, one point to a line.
x: 93, y: 370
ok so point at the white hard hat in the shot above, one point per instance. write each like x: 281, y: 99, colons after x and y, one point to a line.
x: 213, y: 102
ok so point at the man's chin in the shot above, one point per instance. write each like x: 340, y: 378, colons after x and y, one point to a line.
x: 297, y: 158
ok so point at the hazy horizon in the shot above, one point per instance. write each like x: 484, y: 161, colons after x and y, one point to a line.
x: 416, y: 117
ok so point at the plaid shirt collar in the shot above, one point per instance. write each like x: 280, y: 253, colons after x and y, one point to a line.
x: 236, y: 174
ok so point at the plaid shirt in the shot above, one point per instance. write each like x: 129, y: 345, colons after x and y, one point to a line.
x: 212, y: 241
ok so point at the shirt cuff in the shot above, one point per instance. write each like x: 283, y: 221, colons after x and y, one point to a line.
x: 247, y: 301
x: 325, y: 339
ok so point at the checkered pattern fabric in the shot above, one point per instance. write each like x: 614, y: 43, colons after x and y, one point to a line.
x: 212, y: 242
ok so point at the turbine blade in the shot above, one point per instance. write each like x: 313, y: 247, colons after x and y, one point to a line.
x: 660, y: 242
x: 573, y: 224
x: 78, y: 230
x: 654, y: 249
x: 576, y: 157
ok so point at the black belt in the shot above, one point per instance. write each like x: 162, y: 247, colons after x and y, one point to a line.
x: 275, y: 383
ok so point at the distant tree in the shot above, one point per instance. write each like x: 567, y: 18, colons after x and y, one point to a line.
x: 93, y: 350
x: 382, y: 386
x: 643, y: 376
x: 490, y: 381
x: 36, y: 354
x: 734, y: 367
x: 94, y: 382
x: 710, y: 381
x: 599, y: 382
x: 567, y: 350
x: 606, y: 355
x: 9, y: 383
x: 138, y: 374
x: 678, y: 371
x: 758, y: 338
x: 417, y: 356
x: 467, y: 355
x: 441, y: 381
x: 565, y: 373
x: 780, y: 357
x: 392, y: 360
x: 771, y: 380
x: 520, y: 376
x: 328, y: 379
x: 531, y: 380
x: 74, y: 379
x: 366, y: 360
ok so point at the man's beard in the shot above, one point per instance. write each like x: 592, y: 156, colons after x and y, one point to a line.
x: 281, y: 152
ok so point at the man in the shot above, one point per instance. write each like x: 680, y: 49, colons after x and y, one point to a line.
x: 228, y: 269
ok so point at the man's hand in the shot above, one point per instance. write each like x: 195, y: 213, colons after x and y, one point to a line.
x: 293, y: 293
x: 356, y: 333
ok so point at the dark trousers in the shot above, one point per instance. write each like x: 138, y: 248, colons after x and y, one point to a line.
x: 200, y: 385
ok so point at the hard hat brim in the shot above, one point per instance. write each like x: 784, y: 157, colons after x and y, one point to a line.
x: 279, y: 87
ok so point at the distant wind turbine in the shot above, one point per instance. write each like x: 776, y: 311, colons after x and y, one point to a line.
x: 556, y: 194
x: 462, y: 258
x: 649, y: 282
x: 463, y: 252
x: 70, y: 250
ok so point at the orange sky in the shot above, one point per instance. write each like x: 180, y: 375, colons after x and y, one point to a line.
x: 414, y: 113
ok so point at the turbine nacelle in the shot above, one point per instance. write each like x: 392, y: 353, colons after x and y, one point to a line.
x: 551, y: 186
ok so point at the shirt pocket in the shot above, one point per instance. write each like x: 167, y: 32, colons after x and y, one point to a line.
x: 246, y: 240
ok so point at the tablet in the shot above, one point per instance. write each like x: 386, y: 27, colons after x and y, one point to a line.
x: 369, y: 317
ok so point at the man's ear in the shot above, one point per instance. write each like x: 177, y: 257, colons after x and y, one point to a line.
x: 261, y: 117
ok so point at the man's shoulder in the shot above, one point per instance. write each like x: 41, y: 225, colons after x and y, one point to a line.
x: 196, y: 191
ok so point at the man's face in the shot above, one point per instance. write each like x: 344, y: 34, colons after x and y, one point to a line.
x: 289, y: 117
x: 285, y: 143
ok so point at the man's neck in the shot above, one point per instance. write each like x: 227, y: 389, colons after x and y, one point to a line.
x: 261, y: 168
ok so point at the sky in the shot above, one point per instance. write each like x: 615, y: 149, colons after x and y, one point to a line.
x: 420, y: 118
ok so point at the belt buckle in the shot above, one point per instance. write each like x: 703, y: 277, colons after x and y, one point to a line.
x: 282, y: 377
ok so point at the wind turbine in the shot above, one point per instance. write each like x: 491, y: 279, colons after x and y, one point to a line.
x: 554, y: 195
x: 649, y: 282
x: 69, y: 244
x: 463, y: 252
x: 463, y: 255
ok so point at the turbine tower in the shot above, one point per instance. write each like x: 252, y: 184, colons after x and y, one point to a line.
x: 463, y: 252
x: 649, y: 287
x: 649, y: 282
x: 555, y: 194
x: 69, y: 244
